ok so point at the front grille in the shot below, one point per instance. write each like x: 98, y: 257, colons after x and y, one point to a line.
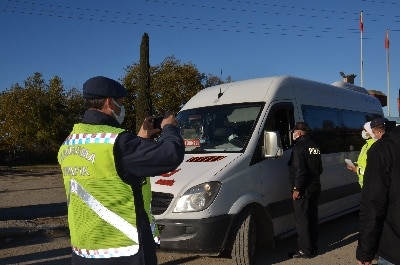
x: 160, y: 202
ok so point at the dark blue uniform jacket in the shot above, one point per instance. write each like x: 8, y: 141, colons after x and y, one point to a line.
x: 305, y: 166
x: 379, y: 223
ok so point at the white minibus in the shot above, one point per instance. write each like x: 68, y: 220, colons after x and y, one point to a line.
x: 232, y: 192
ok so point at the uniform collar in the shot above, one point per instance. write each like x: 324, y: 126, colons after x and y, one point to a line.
x: 97, y: 117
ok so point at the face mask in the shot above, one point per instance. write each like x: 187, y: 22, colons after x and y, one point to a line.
x: 364, y: 135
x: 120, y: 118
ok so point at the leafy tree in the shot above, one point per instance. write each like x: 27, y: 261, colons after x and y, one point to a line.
x: 33, y: 119
x: 73, y: 109
x: 12, y: 118
x: 52, y: 116
x: 24, y: 122
x: 172, y: 84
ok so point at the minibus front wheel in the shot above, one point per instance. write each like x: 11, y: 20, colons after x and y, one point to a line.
x: 245, y: 238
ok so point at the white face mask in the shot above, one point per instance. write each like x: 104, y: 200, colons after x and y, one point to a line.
x: 364, y: 135
x: 120, y: 118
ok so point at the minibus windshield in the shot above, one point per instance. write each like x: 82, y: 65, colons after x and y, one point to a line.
x: 225, y: 128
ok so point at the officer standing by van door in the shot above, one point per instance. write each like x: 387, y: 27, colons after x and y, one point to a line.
x: 305, y: 168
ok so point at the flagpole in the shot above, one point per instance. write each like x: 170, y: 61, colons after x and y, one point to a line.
x: 361, y: 41
x: 388, y: 71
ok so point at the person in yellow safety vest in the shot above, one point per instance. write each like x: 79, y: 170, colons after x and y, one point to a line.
x: 361, y: 164
x: 372, y: 131
x: 104, y: 169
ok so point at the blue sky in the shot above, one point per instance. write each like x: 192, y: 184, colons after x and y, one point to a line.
x: 313, y: 39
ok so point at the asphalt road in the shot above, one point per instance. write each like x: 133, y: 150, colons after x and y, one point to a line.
x: 33, y: 228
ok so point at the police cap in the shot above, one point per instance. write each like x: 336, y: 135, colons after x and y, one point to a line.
x: 103, y: 87
x: 377, y: 122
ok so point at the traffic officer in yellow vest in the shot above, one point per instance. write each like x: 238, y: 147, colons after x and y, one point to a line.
x: 104, y: 169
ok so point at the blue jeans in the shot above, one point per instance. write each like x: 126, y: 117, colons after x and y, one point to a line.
x: 383, y: 261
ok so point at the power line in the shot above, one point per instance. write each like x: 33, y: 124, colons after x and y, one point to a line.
x: 208, y: 24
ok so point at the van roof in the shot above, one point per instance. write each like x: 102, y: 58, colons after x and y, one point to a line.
x: 281, y: 88
x: 252, y: 90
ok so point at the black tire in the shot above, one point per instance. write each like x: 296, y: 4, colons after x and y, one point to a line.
x: 244, y: 244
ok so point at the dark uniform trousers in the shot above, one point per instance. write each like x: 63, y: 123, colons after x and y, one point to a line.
x: 306, y: 215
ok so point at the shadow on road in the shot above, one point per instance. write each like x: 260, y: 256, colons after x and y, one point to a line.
x: 333, y: 235
x: 55, y: 256
x: 33, y: 211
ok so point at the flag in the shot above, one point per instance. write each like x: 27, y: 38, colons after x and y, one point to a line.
x: 361, y: 22
x: 387, y: 39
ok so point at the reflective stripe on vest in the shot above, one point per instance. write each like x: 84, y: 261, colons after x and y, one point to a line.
x: 88, y: 138
x: 104, y: 213
x: 106, y: 253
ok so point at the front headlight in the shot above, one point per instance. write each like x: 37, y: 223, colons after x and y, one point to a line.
x: 198, y: 197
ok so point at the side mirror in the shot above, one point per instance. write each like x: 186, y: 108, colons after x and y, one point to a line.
x: 272, y: 145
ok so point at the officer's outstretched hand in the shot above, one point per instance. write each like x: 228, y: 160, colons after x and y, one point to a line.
x: 146, y: 130
x: 170, y: 119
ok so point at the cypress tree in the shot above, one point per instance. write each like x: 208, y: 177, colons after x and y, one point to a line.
x: 143, y: 100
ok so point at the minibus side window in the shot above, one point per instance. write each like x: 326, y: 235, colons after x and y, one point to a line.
x: 336, y: 130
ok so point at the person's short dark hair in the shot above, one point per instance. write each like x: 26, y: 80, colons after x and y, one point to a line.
x: 302, y: 126
x: 378, y: 122
x: 103, y: 87
x: 97, y: 103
